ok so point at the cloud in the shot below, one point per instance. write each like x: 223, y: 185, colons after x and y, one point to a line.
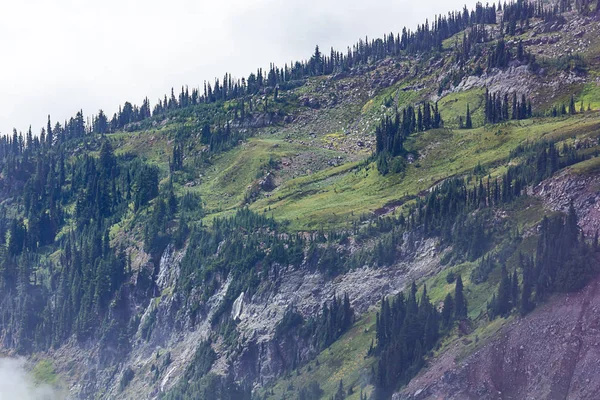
x: 16, y: 384
x: 65, y: 55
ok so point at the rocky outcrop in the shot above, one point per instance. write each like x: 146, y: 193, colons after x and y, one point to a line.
x: 583, y: 191
x: 516, y: 79
x: 263, y: 359
x: 168, y: 332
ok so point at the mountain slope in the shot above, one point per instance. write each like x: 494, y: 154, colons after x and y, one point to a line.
x: 241, y: 244
x: 560, y: 363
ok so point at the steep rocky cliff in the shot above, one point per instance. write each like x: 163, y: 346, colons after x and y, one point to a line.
x: 256, y: 356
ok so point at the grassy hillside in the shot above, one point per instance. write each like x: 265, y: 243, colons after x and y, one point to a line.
x: 182, y: 229
x: 323, y: 180
x: 335, y: 196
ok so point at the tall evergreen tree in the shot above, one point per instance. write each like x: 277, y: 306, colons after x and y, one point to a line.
x: 468, y: 121
x: 460, y: 302
x: 49, y: 133
x: 526, y: 304
x: 572, y: 109
x: 448, y: 310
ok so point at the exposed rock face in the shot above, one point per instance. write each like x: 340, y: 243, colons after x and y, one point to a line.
x: 237, y: 308
x: 553, y: 353
x: 263, y: 359
x: 169, y: 268
x: 583, y: 190
x: 514, y: 79
x: 167, y: 326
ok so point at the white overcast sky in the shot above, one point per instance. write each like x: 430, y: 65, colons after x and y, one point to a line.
x: 58, y: 56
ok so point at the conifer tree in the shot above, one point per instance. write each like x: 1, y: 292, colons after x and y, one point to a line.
x: 460, y: 303
x: 341, y: 393
x: 514, y: 291
x: 468, y: 121
x: 49, y: 135
x: 526, y: 304
x: 448, y: 310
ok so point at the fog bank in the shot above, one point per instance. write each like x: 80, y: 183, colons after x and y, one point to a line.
x: 17, y: 384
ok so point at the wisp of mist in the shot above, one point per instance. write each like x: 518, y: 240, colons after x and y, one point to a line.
x: 17, y: 384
